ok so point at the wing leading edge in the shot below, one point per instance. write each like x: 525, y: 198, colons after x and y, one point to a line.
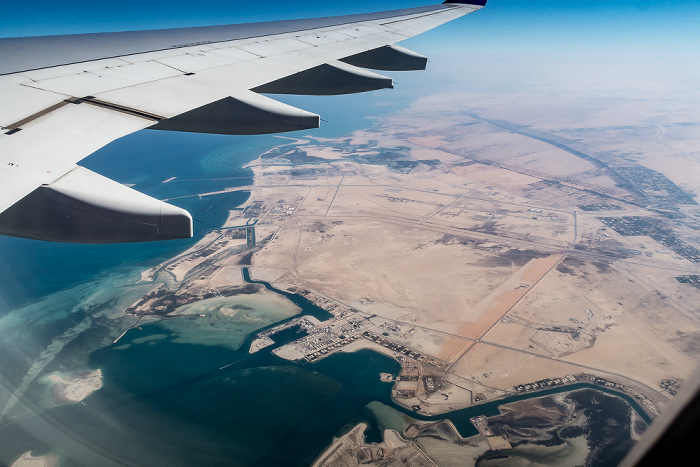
x: 64, y: 97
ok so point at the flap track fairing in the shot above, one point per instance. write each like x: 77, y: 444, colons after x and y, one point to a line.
x: 389, y: 58
x: 330, y: 79
x: 245, y: 114
x: 85, y: 207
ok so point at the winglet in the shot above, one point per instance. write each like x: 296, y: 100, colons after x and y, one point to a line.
x: 468, y: 2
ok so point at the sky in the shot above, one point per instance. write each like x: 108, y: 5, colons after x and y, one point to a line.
x: 636, y: 48
x: 660, y: 36
x: 516, y: 23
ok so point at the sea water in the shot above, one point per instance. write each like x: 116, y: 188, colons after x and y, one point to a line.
x: 165, y: 401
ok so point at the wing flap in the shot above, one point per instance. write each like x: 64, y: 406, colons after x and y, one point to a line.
x: 332, y: 78
x: 246, y: 114
x: 85, y: 207
x: 388, y: 58
x: 137, y: 79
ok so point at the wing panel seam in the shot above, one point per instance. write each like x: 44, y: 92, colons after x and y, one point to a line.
x: 13, y: 128
x: 17, y: 126
x: 120, y: 108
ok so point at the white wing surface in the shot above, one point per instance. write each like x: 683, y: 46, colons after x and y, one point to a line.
x: 64, y: 97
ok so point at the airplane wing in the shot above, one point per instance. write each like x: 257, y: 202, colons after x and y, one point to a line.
x: 64, y: 97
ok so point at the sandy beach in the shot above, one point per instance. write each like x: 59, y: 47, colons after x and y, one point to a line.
x: 69, y: 388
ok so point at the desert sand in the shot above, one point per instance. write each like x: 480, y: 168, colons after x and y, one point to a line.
x: 484, y: 236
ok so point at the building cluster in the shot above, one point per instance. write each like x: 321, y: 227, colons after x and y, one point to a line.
x: 656, y: 185
x: 333, y: 346
x: 397, y: 329
x: 281, y: 209
x: 409, y: 378
x: 604, y: 382
x: 320, y: 341
x: 404, y: 393
x: 600, y: 207
x: 648, y: 404
x: 411, y: 374
x: 259, y: 208
x: 250, y: 236
x: 691, y: 279
x: 655, y: 229
x: 254, y: 209
x: 575, y: 333
x: 672, y: 386
x: 408, y: 352
x: 433, y: 383
x: 545, y: 384
x: 597, y: 380
x: 644, y: 400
